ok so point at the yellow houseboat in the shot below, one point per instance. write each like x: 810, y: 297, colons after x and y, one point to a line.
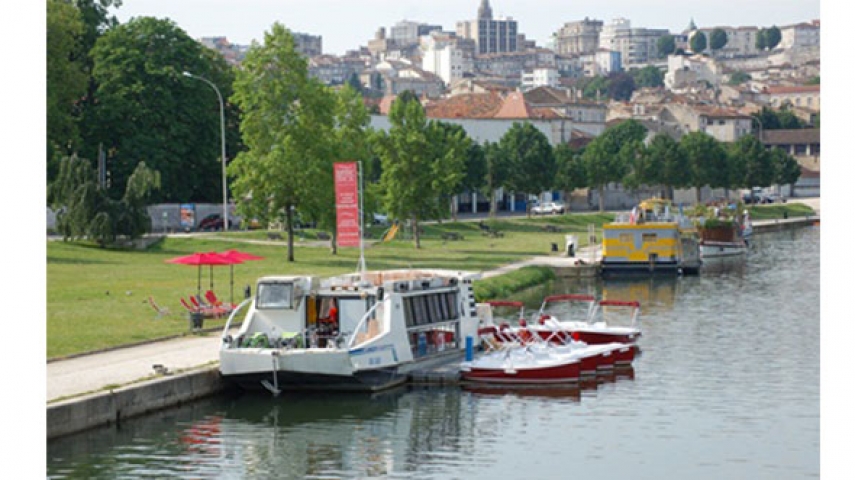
x: 650, y: 239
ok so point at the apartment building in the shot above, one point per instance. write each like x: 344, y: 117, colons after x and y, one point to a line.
x: 800, y: 35
x: 578, y: 38
x: 490, y: 35
x: 637, y: 46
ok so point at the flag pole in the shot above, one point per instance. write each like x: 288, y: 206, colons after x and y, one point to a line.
x: 361, y: 225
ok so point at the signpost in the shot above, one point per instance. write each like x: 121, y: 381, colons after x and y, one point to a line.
x: 348, y: 207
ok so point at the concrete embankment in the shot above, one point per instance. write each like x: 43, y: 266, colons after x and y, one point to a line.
x: 778, y: 225
x: 114, y: 406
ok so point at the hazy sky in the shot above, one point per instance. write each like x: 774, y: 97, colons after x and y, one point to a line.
x: 348, y: 24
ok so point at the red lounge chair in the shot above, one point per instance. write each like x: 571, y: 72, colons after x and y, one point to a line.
x: 161, y: 311
x: 211, y: 297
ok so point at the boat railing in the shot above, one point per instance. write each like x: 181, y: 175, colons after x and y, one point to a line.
x: 568, y: 297
x: 636, y: 308
x: 225, y: 336
x: 362, y: 325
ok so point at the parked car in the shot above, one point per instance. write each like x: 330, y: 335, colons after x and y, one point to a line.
x: 214, y: 222
x: 548, y: 207
x: 380, y: 219
x: 774, y: 198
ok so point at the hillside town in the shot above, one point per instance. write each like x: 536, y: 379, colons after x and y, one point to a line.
x: 485, y: 75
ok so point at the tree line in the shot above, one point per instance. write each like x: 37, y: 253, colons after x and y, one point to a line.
x: 159, y: 131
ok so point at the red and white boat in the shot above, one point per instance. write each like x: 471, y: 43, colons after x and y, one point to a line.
x: 593, y: 329
x: 523, y: 365
x: 523, y: 355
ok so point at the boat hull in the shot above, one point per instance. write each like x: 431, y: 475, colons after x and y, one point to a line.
x: 561, y: 373
x: 365, y: 381
x: 723, y: 249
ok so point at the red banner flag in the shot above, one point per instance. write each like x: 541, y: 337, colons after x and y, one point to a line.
x: 347, y: 204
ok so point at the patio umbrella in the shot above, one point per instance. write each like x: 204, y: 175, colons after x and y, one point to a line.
x: 237, y: 257
x: 203, y: 258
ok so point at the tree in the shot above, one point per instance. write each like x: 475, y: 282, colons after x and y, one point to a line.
x: 698, y: 42
x: 738, y: 77
x: 751, y: 164
x: 649, y: 76
x: 85, y: 209
x: 707, y: 161
x: 621, y: 86
x: 768, y: 38
x: 530, y: 158
x: 475, y: 173
x: 66, y: 81
x: 773, y: 37
x: 349, y: 137
x: 287, y: 126
x: 787, y: 169
x: 593, y: 88
x: 422, y: 162
x: 673, y: 168
x: 498, y: 172
x: 602, y: 157
x: 570, y: 171
x: 146, y: 110
x: 665, y: 46
x: 718, y: 39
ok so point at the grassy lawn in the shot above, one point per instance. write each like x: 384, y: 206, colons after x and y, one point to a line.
x: 98, y: 298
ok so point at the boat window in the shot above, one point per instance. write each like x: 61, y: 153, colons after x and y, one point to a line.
x: 433, y: 307
x: 648, y: 237
x: 626, y: 238
x: 274, y: 295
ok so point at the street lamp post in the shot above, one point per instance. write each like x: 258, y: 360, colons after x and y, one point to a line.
x: 223, y: 141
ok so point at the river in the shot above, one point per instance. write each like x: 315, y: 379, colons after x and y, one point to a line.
x: 727, y: 386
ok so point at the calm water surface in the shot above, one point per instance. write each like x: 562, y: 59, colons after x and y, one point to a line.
x: 727, y: 386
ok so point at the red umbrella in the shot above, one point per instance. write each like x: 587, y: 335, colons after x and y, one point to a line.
x: 203, y: 258
x: 238, y: 257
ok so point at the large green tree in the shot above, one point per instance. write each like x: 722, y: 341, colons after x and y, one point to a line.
x: 751, y: 164
x: 570, y: 171
x: 66, y: 81
x: 530, y: 157
x: 288, y: 128
x: 649, y: 76
x: 787, y: 169
x: 146, y: 110
x: 673, y: 171
x: 698, y: 42
x: 603, y: 160
x: 422, y: 162
x: 707, y: 159
x: 718, y: 39
x: 498, y: 171
x: 621, y: 86
x: 665, y: 46
x: 475, y: 172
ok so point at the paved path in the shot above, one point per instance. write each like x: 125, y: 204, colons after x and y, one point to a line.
x: 89, y: 373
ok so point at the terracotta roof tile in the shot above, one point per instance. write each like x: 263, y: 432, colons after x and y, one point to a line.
x: 467, y: 105
x: 514, y: 106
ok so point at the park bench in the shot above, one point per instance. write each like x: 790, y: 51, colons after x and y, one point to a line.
x: 452, y: 236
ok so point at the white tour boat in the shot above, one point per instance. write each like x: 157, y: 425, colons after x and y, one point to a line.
x: 361, y: 331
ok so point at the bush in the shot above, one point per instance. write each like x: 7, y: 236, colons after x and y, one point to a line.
x: 503, y: 286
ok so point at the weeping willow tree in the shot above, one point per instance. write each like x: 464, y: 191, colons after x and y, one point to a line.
x: 85, y: 210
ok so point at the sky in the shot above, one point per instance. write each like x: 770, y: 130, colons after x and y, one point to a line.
x: 345, y: 25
